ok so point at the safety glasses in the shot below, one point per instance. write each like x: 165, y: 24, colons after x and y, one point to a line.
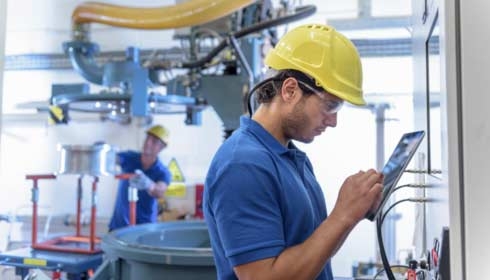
x: 330, y: 106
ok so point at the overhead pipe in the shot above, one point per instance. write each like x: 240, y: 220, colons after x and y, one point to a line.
x: 189, y: 13
x: 81, y: 51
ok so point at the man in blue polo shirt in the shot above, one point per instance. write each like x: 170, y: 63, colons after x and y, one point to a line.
x: 151, y: 179
x: 264, y: 208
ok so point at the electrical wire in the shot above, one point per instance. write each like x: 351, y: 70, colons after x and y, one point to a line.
x: 410, y: 186
x: 401, y: 187
x: 384, y: 259
x: 400, y: 201
x: 300, y: 13
x: 393, y: 266
x: 391, y: 207
x: 379, y: 224
x: 198, y: 36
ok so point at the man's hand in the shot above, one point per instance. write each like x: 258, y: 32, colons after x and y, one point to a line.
x: 140, y: 181
x: 359, y: 193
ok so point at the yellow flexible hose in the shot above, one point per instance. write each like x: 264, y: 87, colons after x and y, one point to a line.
x: 190, y: 13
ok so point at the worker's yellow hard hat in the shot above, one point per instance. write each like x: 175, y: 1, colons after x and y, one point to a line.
x: 159, y: 132
x: 326, y: 55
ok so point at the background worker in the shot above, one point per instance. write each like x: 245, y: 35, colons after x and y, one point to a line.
x: 151, y: 179
x: 264, y: 208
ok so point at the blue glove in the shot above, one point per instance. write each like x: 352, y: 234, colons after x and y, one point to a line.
x: 140, y: 181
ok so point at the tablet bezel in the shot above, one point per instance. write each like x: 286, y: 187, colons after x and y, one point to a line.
x: 417, y: 137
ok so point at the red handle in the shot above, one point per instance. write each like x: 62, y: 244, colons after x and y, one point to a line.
x: 132, y: 212
x: 124, y: 176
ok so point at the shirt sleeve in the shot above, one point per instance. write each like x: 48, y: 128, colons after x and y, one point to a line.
x: 165, y: 176
x: 123, y: 160
x: 246, y: 207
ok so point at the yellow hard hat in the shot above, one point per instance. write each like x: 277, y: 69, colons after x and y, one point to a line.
x: 159, y: 132
x: 326, y: 55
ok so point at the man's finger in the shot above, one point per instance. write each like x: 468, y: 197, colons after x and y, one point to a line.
x: 376, y: 190
x: 371, y: 177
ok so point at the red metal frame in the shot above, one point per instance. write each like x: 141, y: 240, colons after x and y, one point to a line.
x: 132, y: 203
x: 62, y: 244
x: 35, y: 190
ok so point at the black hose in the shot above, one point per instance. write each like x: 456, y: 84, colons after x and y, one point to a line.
x: 299, y: 13
x: 391, y: 207
x: 384, y: 259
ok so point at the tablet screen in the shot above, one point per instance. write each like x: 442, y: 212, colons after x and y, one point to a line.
x: 395, y: 166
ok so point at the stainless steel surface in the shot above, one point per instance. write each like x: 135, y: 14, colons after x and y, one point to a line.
x: 95, y: 160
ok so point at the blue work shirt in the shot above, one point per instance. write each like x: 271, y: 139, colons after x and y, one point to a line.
x: 259, y: 199
x: 146, y: 206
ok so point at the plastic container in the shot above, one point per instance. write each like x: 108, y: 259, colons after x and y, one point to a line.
x: 168, y: 250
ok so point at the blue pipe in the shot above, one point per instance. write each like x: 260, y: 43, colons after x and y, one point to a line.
x: 81, y: 55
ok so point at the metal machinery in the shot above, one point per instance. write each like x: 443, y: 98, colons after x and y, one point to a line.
x: 219, y: 74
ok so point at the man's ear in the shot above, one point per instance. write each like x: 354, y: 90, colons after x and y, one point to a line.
x: 288, y: 89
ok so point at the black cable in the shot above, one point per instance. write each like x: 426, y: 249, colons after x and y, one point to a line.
x: 401, y: 187
x: 251, y: 108
x: 384, y: 259
x: 300, y: 13
x: 410, y: 186
x: 391, y: 207
x: 379, y: 224
x: 393, y: 266
x: 400, y: 201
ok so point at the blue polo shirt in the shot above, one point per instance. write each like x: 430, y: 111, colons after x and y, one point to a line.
x: 259, y: 199
x: 146, y: 206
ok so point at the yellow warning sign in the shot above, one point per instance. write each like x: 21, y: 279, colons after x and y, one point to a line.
x: 177, y: 175
x: 176, y: 189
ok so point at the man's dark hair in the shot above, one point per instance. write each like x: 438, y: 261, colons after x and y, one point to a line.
x: 268, y: 88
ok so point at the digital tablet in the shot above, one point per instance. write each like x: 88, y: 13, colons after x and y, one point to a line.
x: 395, y: 166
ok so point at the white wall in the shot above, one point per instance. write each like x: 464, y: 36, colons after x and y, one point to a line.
x: 3, y: 35
x: 46, y: 24
x: 475, y: 60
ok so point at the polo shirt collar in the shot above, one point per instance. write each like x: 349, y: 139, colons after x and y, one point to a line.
x: 266, y: 138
